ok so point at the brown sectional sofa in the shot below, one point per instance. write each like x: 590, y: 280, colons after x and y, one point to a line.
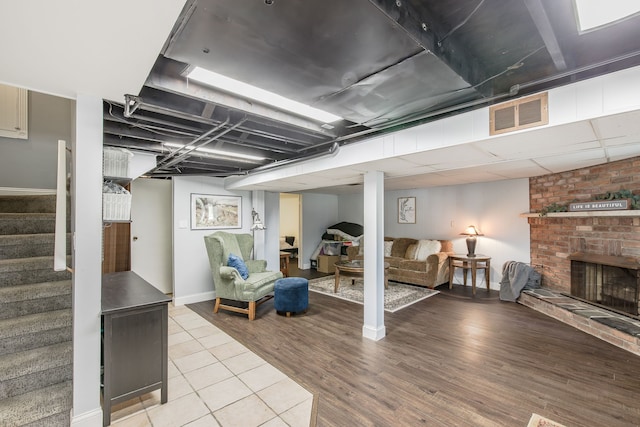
x: 432, y: 272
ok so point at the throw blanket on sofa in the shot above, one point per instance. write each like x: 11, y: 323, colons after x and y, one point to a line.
x: 517, y: 276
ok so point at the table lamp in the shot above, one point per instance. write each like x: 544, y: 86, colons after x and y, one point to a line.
x: 471, y: 232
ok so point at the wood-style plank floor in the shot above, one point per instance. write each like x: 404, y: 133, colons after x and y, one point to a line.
x: 449, y: 360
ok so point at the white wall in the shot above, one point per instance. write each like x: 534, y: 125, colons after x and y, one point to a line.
x: 319, y: 211
x: 31, y: 163
x: 192, y: 280
x: 444, y: 212
x: 351, y: 207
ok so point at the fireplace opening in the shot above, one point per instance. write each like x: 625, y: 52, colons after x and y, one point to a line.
x: 610, y: 281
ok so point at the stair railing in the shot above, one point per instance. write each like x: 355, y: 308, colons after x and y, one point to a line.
x: 60, y: 245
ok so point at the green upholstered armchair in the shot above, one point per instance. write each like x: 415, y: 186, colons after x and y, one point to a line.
x: 227, y: 281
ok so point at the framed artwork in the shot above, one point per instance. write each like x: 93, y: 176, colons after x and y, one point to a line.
x: 406, y: 210
x: 210, y: 212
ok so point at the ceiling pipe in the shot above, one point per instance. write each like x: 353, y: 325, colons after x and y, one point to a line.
x: 186, y: 154
x: 178, y: 153
x: 142, y: 104
x: 333, y: 151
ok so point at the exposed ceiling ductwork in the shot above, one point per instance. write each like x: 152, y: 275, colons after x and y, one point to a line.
x: 382, y: 65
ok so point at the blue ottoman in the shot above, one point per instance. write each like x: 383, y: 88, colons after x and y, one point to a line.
x: 291, y: 295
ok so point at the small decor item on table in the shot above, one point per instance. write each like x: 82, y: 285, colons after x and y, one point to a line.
x: 471, y: 232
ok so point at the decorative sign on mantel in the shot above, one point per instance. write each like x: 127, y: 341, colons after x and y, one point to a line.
x: 600, y: 205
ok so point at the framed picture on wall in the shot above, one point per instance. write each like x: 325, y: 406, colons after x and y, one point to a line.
x: 406, y: 210
x: 211, y: 212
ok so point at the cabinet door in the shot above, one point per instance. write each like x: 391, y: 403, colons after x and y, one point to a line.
x: 13, y: 112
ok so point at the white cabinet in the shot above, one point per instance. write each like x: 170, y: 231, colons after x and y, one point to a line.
x: 13, y: 112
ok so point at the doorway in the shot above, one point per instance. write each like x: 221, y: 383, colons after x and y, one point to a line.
x: 290, y: 230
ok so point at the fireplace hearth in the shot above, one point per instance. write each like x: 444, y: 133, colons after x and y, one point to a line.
x: 609, y: 281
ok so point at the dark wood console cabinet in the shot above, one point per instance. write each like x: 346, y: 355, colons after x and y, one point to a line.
x: 135, y: 356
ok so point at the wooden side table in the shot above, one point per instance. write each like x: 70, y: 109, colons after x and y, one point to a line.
x: 284, y: 263
x: 478, y: 262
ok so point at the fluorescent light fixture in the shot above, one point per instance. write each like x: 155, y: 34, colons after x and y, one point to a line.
x: 596, y: 13
x: 213, y: 151
x: 245, y: 90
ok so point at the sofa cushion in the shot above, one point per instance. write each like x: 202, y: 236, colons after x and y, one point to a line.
x: 400, y: 245
x: 411, y: 251
x: 387, y: 248
x: 426, y: 248
x: 237, y: 263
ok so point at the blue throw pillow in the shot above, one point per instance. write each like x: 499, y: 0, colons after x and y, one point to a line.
x: 237, y: 263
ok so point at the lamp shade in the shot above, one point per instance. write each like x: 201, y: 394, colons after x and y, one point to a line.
x: 471, y: 231
x: 257, y: 223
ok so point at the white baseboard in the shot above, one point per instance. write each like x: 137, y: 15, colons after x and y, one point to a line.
x: 9, y: 191
x: 88, y: 419
x: 191, y: 299
x: 373, y: 333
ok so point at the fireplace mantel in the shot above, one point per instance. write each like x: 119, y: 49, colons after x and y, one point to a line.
x: 625, y: 213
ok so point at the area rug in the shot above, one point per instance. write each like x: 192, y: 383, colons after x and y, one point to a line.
x: 396, y: 297
x: 540, y: 421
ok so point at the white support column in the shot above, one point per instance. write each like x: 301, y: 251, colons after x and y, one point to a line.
x: 373, y: 327
x: 87, y: 260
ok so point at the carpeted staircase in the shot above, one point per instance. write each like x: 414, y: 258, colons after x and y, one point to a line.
x: 35, y: 317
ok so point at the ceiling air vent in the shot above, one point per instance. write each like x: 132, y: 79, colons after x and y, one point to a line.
x: 522, y: 113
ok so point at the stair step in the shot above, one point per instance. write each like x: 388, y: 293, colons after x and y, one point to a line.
x: 34, y: 298
x: 49, y: 406
x: 28, y: 203
x: 14, y: 246
x: 35, y: 330
x: 30, y: 370
x: 30, y: 270
x: 27, y: 223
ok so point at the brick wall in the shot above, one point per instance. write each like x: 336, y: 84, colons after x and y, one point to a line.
x: 554, y: 239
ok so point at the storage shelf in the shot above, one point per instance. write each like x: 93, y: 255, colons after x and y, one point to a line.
x: 625, y: 213
x: 122, y: 180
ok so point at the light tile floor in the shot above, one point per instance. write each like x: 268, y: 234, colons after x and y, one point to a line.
x: 216, y: 381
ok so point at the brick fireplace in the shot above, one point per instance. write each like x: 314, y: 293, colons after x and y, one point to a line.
x: 612, y: 237
x: 556, y: 236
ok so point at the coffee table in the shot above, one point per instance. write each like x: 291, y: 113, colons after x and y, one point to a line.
x: 355, y: 268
